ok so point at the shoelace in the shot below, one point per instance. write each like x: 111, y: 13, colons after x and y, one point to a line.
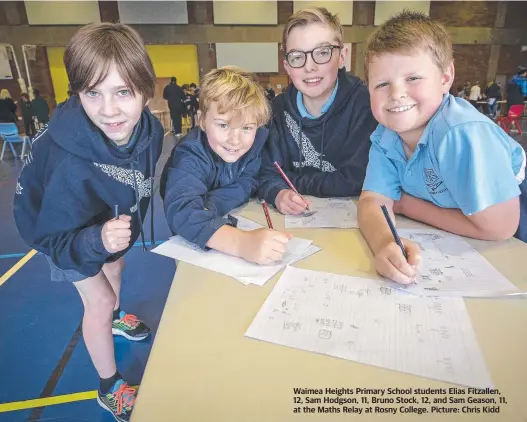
x: 130, y: 320
x: 124, y: 395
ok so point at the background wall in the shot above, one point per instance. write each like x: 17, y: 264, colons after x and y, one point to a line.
x: 487, y: 35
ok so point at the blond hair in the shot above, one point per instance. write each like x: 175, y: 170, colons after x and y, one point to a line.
x: 95, y: 47
x: 234, y: 90
x: 408, y: 32
x: 306, y: 17
x: 4, y: 93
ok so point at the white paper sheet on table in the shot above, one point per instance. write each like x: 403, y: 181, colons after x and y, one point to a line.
x: 366, y: 321
x: 330, y: 212
x: 451, y: 267
x: 178, y: 248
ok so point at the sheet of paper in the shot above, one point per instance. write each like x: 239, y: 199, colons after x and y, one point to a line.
x: 451, y: 267
x: 178, y: 248
x: 261, y: 281
x: 366, y: 321
x: 330, y: 212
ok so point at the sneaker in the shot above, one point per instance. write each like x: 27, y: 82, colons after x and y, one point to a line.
x: 130, y: 327
x: 119, y: 401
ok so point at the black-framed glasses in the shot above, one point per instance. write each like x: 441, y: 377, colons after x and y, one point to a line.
x: 320, y: 55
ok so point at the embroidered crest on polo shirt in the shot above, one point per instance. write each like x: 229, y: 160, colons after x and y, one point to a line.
x: 433, y: 183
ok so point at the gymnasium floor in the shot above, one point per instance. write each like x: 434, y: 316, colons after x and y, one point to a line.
x: 41, y: 353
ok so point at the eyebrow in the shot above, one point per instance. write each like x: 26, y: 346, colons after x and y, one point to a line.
x: 317, y: 45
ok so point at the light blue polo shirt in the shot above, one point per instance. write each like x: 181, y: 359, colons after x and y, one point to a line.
x: 303, y: 110
x: 463, y: 160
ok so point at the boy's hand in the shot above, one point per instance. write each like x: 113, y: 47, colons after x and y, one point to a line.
x: 289, y: 202
x: 390, y: 262
x: 116, y: 234
x: 263, y: 246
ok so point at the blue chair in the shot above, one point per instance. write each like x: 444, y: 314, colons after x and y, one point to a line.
x: 10, y: 136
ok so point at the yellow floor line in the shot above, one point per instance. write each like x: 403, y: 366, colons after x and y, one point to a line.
x: 48, y: 401
x: 17, y: 266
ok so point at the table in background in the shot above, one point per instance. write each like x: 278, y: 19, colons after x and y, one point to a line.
x: 202, y: 368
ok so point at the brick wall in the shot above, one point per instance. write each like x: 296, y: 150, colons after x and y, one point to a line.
x: 465, y: 13
x: 471, y: 62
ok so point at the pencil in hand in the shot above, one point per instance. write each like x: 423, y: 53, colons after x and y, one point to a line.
x: 394, y: 231
x: 292, y: 187
x: 267, y: 215
x: 116, y: 211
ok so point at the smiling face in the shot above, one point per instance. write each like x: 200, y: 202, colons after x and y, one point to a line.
x: 314, y: 80
x: 228, y: 135
x: 112, y: 107
x: 406, y: 90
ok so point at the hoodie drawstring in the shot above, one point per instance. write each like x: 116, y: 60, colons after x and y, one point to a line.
x: 153, y: 172
x: 322, y: 143
x: 136, y: 190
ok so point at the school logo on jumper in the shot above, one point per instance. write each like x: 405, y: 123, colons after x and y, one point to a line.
x: 126, y: 176
x: 311, y: 156
x: 433, y: 183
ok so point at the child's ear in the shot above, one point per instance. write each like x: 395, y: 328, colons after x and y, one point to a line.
x: 448, y: 78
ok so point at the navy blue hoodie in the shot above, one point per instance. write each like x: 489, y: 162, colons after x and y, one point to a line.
x: 333, y: 156
x: 71, y: 181
x: 199, y: 188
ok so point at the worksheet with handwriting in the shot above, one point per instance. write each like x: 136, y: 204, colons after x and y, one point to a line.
x: 366, y: 321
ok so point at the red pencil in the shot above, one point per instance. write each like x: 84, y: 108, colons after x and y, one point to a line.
x: 267, y: 215
x: 284, y: 176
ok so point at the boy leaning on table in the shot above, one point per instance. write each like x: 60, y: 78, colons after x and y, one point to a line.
x: 214, y: 169
x: 321, y: 125
x: 434, y: 157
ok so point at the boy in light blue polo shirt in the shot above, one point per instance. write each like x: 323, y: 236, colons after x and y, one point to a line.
x: 434, y: 157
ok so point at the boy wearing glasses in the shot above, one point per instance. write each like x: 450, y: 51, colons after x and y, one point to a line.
x: 322, y: 123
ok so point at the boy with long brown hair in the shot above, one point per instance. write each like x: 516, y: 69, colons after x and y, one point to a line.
x: 85, y: 189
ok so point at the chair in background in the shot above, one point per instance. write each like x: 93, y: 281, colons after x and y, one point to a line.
x: 9, y: 134
x: 512, y: 119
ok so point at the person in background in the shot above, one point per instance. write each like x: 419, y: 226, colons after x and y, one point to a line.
x: 269, y: 92
x: 175, y: 97
x: 517, y: 87
x: 460, y: 92
x: 194, y: 103
x: 27, y: 115
x: 493, y: 94
x: 7, y: 108
x: 40, y: 109
x: 475, y: 94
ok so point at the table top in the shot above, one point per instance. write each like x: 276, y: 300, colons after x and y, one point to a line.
x: 202, y: 368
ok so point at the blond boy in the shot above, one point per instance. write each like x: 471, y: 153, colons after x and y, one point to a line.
x: 434, y: 157
x: 321, y: 127
x: 214, y: 170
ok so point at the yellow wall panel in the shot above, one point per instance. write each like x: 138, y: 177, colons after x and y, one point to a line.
x: 62, y: 12
x: 384, y: 10
x: 344, y: 9
x: 59, y: 76
x: 180, y: 61
x: 168, y: 60
x: 245, y: 13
